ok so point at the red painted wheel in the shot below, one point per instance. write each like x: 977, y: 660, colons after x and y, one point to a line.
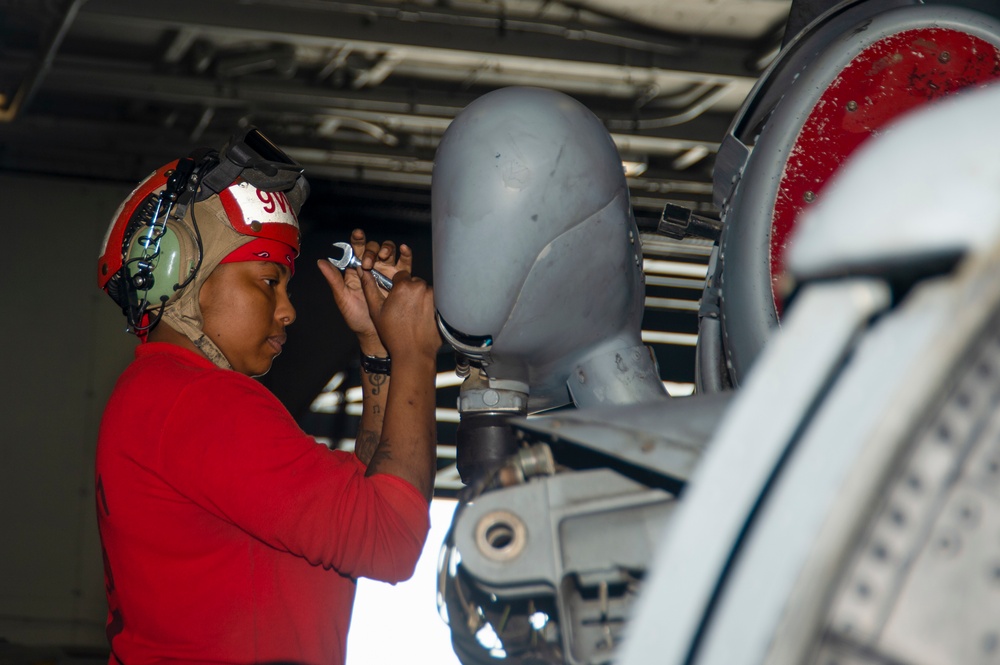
x: 891, y: 76
x: 842, y: 80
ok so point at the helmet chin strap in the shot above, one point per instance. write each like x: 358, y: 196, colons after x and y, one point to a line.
x: 191, y: 328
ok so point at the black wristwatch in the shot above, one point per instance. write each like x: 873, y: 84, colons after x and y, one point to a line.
x: 376, y: 365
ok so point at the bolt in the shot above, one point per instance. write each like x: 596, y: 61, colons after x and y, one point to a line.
x: 948, y: 543
x: 897, y: 517
x: 852, y: 106
x: 809, y: 196
x: 944, y: 57
x: 968, y: 513
x: 990, y: 642
x: 944, y: 434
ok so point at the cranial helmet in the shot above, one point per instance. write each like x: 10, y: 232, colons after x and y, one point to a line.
x: 175, y: 228
x: 537, y: 264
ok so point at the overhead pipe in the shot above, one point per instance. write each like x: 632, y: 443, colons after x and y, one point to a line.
x: 500, y: 22
x: 126, y: 12
x: 161, y: 88
x: 29, y: 87
x: 706, y: 102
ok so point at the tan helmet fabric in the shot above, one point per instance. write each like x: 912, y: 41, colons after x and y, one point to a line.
x: 218, y: 239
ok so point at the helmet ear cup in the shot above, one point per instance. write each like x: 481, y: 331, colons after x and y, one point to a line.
x: 159, y: 258
x: 156, y: 273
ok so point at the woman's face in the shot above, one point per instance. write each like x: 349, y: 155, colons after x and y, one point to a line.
x: 245, y: 309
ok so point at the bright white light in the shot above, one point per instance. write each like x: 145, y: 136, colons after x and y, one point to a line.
x: 335, y: 381
x: 676, y: 339
x: 442, y: 609
x: 329, y: 400
x: 538, y: 620
x: 675, y: 389
x: 691, y: 157
x: 447, y: 380
x: 327, y: 403
x: 676, y: 268
x: 634, y: 169
x: 490, y: 640
x: 400, y: 624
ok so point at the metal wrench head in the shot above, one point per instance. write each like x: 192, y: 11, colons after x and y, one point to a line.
x: 348, y: 260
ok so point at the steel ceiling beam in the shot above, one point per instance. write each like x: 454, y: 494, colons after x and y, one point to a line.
x: 133, y: 81
x: 332, y: 24
x: 40, y: 67
x: 270, y: 97
x: 111, y: 150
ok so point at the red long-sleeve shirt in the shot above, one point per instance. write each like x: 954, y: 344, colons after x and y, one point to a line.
x: 229, y: 535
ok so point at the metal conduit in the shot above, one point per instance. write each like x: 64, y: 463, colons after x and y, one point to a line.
x: 29, y: 87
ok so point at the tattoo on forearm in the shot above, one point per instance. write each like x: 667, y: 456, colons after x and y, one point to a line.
x: 376, y: 409
x: 366, y: 445
x: 383, y: 453
x: 378, y: 380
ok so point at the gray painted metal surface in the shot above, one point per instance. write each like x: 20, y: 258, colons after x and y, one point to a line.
x: 814, y: 484
x: 583, y: 539
x: 843, y: 506
x: 663, y: 438
x: 869, y: 535
x: 536, y: 248
x: 739, y: 464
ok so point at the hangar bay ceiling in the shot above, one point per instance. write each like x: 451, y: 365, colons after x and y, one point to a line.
x: 361, y: 92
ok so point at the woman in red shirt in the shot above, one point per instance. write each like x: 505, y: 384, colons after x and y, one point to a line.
x: 231, y: 536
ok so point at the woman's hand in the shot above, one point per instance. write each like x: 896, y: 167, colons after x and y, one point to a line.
x: 405, y: 319
x: 350, y: 297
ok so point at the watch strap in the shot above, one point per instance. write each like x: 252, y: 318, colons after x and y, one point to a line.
x: 376, y: 365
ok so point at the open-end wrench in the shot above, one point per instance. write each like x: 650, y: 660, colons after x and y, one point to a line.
x: 348, y: 260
